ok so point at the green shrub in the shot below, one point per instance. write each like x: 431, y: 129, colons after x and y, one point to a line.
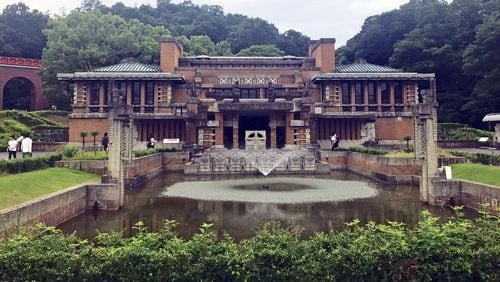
x: 479, y: 158
x: 89, y: 155
x: 459, y: 249
x: 364, y: 150
x: 69, y: 151
x: 29, y: 164
x: 456, y: 131
x: 142, y: 153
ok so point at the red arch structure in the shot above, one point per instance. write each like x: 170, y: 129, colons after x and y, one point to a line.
x: 11, y: 67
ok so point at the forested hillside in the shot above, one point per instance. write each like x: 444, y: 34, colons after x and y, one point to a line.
x: 459, y: 41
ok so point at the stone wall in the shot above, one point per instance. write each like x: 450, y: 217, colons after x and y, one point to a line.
x: 47, y: 146
x: 457, y: 144
x: 93, y: 166
x: 59, y: 206
x: 390, y: 170
x: 461, y: 192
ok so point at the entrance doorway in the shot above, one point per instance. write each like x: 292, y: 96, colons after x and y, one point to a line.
x: 19, y: 94
x: 252, y: 123
x: 228, y: 137
x: 280, y: 137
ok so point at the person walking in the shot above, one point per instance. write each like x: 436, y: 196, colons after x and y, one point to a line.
x: 334, y: 141
x: 105, y: 141
x: 12, y: 147
x: 26, y: 147
x: 19, y: 142
x: 151, y: 142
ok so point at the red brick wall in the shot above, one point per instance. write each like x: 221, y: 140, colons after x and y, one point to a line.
x: 373, y: 163
x: 88, y: 125
x: 393, y: 129
x: 37, y: 101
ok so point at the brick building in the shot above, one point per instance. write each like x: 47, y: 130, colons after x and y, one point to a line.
x: 213, y: 101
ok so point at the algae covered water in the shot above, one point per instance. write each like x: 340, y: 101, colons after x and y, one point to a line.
x: 241, y: 205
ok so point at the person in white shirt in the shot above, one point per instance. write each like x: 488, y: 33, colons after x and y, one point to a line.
x: 12, y: 147
x: 19, y: 142
x: 26, y: 147
x: 151, y: 142
x: 334, y: 140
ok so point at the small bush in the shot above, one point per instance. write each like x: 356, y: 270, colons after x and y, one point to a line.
x: 479, y: 158
x: 69, y: 151
x: 456, y: 250
x: 88, y: 155
x: 370, y: 151
x: 142, y: 153
x: 29, y: 164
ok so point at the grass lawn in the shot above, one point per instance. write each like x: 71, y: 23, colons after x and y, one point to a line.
x: 477, y: 173
x: 22, y: 187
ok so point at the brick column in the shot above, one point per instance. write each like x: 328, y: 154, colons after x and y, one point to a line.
x: 273, y: 136
x: 219, y: 131
x: 391, y: 95
x: 365, y: 95
x: 235, y: 133
x: 289, y: 129
x: 101, y: 96
x: 379, y: 97
x: 129, y: 93
x: 143, y: 95
x: 352, y: 93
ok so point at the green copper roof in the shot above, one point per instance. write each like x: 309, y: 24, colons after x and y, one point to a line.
x: 364, y: 68
x: 129, y: 67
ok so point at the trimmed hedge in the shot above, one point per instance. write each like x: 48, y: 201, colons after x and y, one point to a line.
x: 146, y: 152
x: 460, y: 249
x: 29, y: 164
x: 479, y: 158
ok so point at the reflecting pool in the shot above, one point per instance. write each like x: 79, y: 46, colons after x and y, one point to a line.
x: 241, y: 205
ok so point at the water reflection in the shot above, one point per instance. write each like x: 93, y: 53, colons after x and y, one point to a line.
x: 241, y: 219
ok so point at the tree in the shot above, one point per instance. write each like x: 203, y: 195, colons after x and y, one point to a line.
x: 261, y: 51
x: 94, y: 134
x: 83, y: 134
x: 252, y: 32
x: 83, y: 41
x: 21, y: 31
x: 90, y: 5
x: 482, y: 61
x: 293, y: 43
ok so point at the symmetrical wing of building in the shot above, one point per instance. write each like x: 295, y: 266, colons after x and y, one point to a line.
x: 213, y: 101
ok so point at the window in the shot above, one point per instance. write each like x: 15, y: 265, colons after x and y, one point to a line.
x: 384, y: 91
x: 106, y: 94
x: 121, y: 88
x: 94, y: 93
x: 249, y: 94
x: 398, y: 93
x: 136, y: 93
x: 180, y: 111
x: 372, y: 97
x: 358, y: 94
x: 150, y: 100
x: 346, y: 94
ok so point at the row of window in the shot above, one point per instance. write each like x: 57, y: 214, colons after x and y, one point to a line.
x: 359, y: 93
x: 121, y: 88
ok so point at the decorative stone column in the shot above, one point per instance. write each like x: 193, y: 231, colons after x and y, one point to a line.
x: 121, y: 143
x: 425, y: 122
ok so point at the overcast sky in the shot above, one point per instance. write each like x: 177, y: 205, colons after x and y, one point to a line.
x: 340, y: 19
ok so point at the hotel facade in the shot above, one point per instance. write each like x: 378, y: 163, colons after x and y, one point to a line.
x: 216, y: 101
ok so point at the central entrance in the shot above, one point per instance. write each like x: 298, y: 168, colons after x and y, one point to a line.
x: 252, y: 123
